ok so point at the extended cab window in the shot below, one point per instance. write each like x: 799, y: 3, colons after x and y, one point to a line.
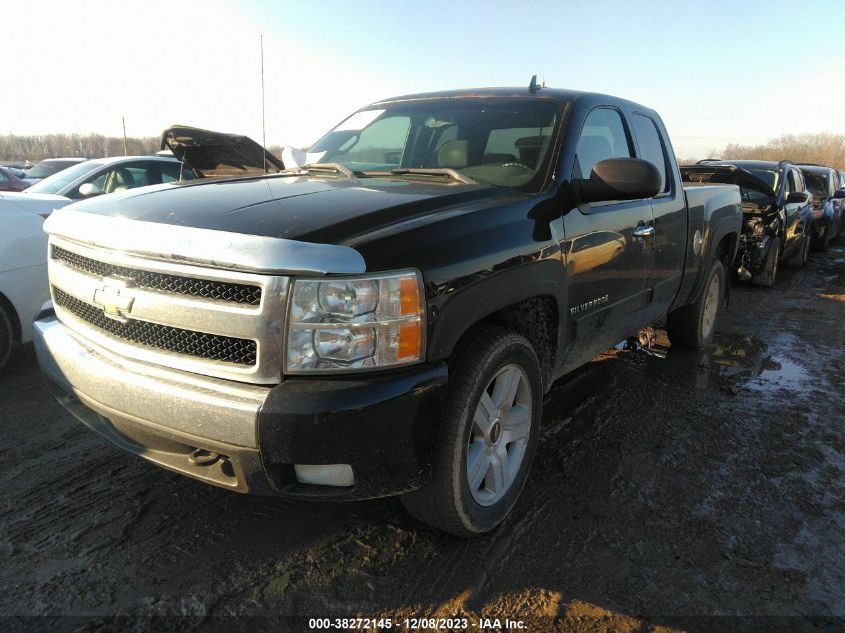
x: 651, y: 146
x: 603, y: 136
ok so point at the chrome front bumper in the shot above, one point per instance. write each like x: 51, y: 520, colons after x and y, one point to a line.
x: 161, y: 414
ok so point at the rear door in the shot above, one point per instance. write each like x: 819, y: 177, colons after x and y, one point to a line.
x: 609, y: 246
x: 669, y: 210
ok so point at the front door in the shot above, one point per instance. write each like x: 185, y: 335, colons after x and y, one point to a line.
x: 609, y: 248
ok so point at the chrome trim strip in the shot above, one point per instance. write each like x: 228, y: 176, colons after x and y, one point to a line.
x: 206, y: 407
x: 218, y: 249
x: 263, y: 323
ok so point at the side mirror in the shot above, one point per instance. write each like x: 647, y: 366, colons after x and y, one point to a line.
x: 797, y: 196
x: 89, y: 189
x: 839, y: 193
x: 619, y: 179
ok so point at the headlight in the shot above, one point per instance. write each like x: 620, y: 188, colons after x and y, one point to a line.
x: 355, y: 323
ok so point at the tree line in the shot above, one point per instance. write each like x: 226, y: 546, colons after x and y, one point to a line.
x: 16, y: 147
x: 21, y: 147
x: 822, y: 149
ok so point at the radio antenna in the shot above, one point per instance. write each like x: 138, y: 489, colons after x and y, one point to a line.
x: 263, y: 128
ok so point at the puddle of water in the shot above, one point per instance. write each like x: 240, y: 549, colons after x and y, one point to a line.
x: 731, y: 361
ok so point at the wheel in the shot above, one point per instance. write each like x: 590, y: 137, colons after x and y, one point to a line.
x: 768, y: 275
x: 489, y: 435
x: 799, y: 260
x: 692, y: 326
x: 7, y: 337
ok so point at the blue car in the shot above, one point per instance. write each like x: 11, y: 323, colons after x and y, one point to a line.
x: 828, y: 193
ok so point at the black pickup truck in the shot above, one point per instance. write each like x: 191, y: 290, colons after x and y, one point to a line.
x: 387, y: 319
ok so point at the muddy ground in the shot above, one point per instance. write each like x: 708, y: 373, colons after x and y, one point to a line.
x: 668, y: 485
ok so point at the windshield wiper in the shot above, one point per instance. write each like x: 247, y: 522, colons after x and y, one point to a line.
x: 332, y: 168
x: 434, y: 171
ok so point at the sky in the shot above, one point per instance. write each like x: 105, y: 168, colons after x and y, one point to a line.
x: 718, y: 73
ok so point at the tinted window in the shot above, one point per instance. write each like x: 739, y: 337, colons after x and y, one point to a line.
x: 603, y: 136
x: 816, y: 183
x: 770, y: 176
x: 651, y: 146
x: 792, y: 182
x: 3, y: 179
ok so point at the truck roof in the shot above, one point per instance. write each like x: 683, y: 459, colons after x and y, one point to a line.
x: 555, y: 94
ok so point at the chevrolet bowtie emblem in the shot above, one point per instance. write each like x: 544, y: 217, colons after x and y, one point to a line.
x: 114, y: 305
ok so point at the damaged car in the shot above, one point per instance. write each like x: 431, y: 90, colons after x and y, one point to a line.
x: 212, y: 154
x: 776, y: 209
x: 824, y: 183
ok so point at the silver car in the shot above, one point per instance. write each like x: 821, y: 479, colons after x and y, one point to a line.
x: 107, y: 175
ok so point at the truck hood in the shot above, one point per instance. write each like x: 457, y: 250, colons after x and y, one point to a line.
x: 217, y: 154
x: 725, y: 175
x: 325, y: 210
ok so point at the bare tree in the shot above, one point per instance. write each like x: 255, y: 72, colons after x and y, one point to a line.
x: 15, y: 148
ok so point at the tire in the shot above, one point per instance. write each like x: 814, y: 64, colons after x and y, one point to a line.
x: 768, y: 276
x: 7, y: 337
x: 799, y: 260
x: 692, y: 326
x: 490, y: 362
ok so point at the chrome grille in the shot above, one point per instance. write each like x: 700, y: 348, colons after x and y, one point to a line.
x: 171, y: 339
x: 221, y: 323
x: 205, y: 288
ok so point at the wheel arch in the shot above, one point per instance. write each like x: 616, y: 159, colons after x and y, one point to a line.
x: 531, y: 309
x: 9, y: 309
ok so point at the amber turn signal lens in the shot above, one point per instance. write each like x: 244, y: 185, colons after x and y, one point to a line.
x: 410, y: 293
x: 410, y: 341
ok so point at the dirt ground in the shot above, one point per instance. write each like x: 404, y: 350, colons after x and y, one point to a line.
x: 668, y: 487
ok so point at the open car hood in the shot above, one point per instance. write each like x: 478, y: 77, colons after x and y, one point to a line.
x: 217, y: 154
x: 726, y: 175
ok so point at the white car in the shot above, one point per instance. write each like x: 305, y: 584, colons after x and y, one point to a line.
x: 24, y: 291
x: 107, y: 175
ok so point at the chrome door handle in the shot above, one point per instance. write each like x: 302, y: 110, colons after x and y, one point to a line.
x: 644, y: 231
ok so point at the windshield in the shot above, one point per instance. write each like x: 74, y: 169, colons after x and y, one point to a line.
x: 816, y: 184
x: 59, y: 181
x: 495, y: 141
x: 768, y: 176
x: 45, y: 168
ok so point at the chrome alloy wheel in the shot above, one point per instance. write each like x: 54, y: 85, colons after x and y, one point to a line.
x: 711, y: 306
x: 499, y: 435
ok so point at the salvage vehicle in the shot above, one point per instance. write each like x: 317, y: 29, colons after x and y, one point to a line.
x: 828, y: 193
x: 386, y: 321
x: 24, y: 291
x: 776, y: 209
x: 218, y: 154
